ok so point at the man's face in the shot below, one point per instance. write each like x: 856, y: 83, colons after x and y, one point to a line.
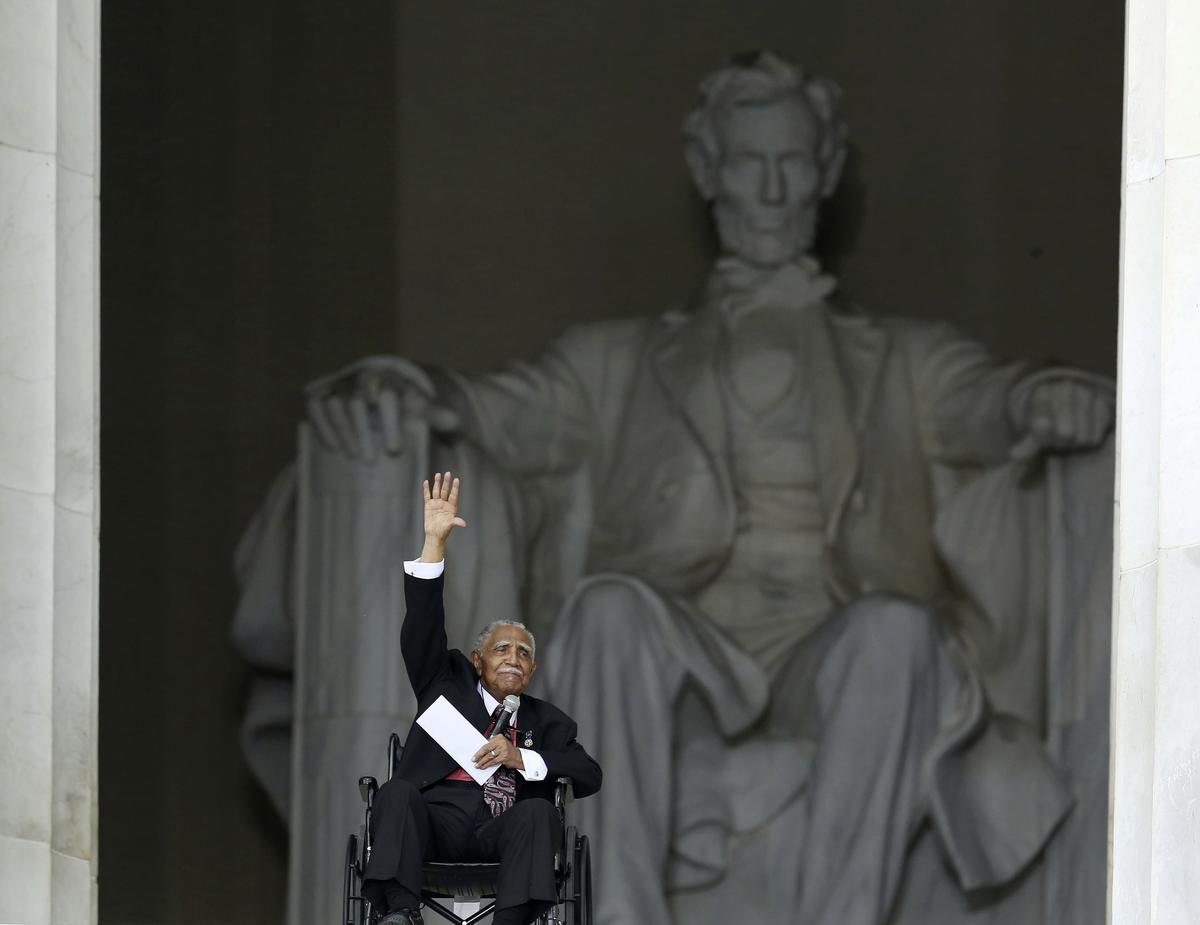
x: 767, y: 183
x: 506, y: 663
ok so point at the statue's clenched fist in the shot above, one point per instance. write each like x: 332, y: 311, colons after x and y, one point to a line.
x: 359, y: 410
x: 1064, y: 412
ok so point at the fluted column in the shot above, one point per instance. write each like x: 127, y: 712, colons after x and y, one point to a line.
x: 48, y: 482
x: 1155, y: 828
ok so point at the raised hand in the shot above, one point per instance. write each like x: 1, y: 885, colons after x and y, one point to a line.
x: 441, y: 515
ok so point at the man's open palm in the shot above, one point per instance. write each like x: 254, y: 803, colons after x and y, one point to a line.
x: 441, y: 507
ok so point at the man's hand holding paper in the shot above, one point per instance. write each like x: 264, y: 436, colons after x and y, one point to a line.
x: 461, y: 741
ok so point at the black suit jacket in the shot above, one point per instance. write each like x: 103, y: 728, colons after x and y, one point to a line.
x: 435, y: 671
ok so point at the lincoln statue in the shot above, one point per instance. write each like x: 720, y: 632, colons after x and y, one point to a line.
x: 746, y: 599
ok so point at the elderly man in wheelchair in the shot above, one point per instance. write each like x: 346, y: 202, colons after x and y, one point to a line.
x: 431, y: 830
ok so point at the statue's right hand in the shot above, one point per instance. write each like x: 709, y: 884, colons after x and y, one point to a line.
x: 359, y: 410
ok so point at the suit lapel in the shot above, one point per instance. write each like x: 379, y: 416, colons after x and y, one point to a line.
x: 861, y: 347
x: 530, y: 723
x: 473, y: 709
x: 844, y: 356
x: 684, y: 364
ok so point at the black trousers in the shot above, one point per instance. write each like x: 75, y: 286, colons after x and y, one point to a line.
x: 449, y: 822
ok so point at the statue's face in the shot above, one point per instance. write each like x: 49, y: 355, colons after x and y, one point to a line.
x: 766, y: 187
x: 505, y: 663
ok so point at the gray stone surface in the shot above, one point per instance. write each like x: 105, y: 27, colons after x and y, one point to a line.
x: 800, y: 570
x: 1156, y: 739
x: 49, y: 512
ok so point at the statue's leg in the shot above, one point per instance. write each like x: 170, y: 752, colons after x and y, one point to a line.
x: 620, y: 656
x: 870, y: 687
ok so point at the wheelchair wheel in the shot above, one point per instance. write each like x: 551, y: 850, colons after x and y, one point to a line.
x: 579, y: 882
x: 351, y: 906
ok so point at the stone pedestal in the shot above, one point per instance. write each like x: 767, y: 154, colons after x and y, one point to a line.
x: 48, y: 486
x: 1155, y: 827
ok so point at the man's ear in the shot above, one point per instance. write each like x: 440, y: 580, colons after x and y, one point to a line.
x: 477, y: 661
x: 702, y: 168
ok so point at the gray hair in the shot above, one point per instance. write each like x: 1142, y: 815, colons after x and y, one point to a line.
x: 487, y: 631
x: 762, y: 77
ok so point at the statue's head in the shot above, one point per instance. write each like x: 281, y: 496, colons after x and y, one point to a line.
x: 765, y: 146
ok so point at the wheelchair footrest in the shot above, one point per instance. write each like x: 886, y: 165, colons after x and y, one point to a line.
x: 460, y: 880
x: 484, y: 910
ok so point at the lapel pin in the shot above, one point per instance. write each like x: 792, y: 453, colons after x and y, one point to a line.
x: 529, y: 740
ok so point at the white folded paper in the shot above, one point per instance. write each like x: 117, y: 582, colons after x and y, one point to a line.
x: 454, y: 733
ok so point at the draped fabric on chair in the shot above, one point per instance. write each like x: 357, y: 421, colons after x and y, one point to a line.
x: 321, y: 570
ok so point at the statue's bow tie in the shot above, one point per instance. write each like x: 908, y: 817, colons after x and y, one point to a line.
x: 743, y: 287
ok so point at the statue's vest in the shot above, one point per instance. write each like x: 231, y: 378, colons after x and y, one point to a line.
x: 771, y: 592
x: 662, y: 466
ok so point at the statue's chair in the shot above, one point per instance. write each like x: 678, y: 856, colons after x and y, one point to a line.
x: 471, y: 880
x: 331, y: 540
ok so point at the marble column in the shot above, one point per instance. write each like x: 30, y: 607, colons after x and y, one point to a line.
x: 1155, y: 819
x: 48, y: 481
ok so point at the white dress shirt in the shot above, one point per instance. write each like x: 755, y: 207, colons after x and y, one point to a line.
x: 535, y: 766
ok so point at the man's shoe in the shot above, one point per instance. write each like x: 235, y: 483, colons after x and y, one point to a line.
x: 403, y: 917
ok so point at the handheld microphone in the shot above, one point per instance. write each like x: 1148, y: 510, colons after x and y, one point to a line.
x: 511, y: 704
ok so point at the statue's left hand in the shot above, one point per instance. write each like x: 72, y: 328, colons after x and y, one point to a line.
x: 1062, y: 414
x: 361, y: 409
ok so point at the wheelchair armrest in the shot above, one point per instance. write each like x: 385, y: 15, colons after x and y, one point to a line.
x: 563, y: 791
x: 366, y: 788
x: 395, y: 748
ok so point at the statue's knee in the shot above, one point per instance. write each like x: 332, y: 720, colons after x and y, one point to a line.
x: 897, y: 633
x: 611, y: 609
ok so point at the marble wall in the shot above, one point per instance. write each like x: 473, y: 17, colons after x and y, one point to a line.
x: 48, y: 477
x: 1156, y: 739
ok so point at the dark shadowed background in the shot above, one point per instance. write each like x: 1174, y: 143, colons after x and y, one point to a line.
x: 289, y: 186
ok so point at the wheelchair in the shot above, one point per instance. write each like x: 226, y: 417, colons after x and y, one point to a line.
x: 471, y: 880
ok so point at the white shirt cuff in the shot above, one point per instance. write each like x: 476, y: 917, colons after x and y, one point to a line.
x: 419, y: 569
x: 535, y: 766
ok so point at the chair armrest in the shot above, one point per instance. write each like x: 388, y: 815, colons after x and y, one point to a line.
x: 395, y: 748
x: 563, y: 791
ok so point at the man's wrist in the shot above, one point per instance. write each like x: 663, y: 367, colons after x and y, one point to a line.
x: 533, y: 765
x: 432, y: 551
x: 424, y: 570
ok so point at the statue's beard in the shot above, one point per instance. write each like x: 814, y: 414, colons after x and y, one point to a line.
x: 771, y: 246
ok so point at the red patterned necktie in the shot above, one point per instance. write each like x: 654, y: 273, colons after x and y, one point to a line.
x: 500, y: 790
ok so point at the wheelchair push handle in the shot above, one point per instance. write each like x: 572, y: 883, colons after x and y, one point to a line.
x: 563, y: 793
x: 395, y: 749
